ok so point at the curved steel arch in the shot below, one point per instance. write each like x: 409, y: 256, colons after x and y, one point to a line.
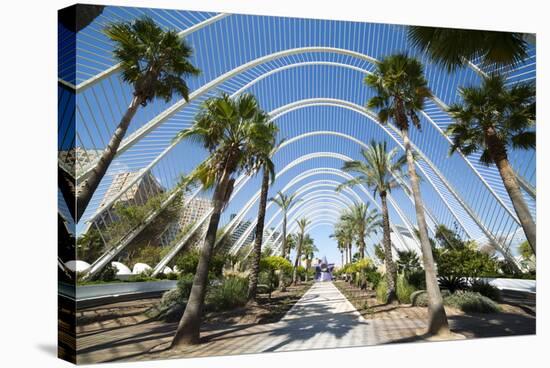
x: 351, y: 106
x: 113, y: 69
x: 337, y: 172
x: 253, y: 199
x: 308, y: 210
x: 406, y: 223
x: 251, y: 227
x: 365, y: 146
x: 214, y: 83
x: 444, y: 107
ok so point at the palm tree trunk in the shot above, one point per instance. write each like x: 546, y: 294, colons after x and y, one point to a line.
x: 514, y: 191
x: 283, y: 254
x: 87, y: 189
x: 253, y: 281
x: 437, y: 319
x: 391, y: 272
x: 297, y: 261
x: 362, y: 247
x: 342, y: 256
x: 188, y: 331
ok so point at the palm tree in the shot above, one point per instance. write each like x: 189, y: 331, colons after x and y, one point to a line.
x: 285, y: 202
x: 407, y: 261
x: 493, y: 119
x: 308, y: 251
x: 401, y: 91
x: 237, y: 135
x: 364, y: 222
x: 339, y: 235
x: 155, y: 62
x: 343, y: 232
x: 290, y: 244
x: 302, y: 224
x: 453, y: 48
x: 381, y: 171
x: 268, y: 171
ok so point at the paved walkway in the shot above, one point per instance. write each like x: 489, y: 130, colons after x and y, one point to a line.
x: 323, y: 318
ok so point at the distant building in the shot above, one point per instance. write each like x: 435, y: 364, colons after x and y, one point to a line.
x: 239, y: 229
x: 270, y: 235
x: 138, y: 194
x: 193, y: 212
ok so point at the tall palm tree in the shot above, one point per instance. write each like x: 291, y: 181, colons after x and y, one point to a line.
x: 237, y: 135
x: 268, y: 171
x: 339, y: 235
x: 302, y: 224
x: 290, y: 244
x: 308, y: 251
x: 364, y: 222
x: 155, y: 62
x: 492, y: 119
x: 401, y: 91
x: 285, y: 202
x: 344, y: 231
x: 453, y: 48
x: 381, y: 171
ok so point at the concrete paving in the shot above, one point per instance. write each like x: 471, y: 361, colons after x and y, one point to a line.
x: 323, y: 318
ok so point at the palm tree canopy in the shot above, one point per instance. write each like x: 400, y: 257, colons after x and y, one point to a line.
x: 285, y: 201
x: 237, y: 134
x: 343, y: 230
x: 453, y: 48
x: 407, y: 261
x: 153, y: 60
x: 302, y: 224
x: 290, y: 242
x: 401, y: 90
x: 363, y: 221
x: 379, y: 169
x: 509, y: 112
x: 308, y: 247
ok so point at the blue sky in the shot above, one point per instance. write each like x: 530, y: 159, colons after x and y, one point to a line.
x: 238, y: 39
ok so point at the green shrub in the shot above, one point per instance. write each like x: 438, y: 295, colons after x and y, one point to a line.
x: 469, y: 301
x: 170, y: 308
x: 373, y: 277
x: 382, y: 291
x: 416, y: 279
x: 232, y: 292
x: 419, y: 298
x: 404, y: 289
x: 108, y: 273
x: 452, y: 283
x: 188, y: 262
x: 466, y: 262
x: 485, y: 289
x: 171, y: 276
x: 184, y: 284
x: 141, y: 277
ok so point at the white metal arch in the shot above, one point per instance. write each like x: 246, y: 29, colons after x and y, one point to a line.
x: 370, y: 115
x: 324, y: 194
x: 365, y: 146
x: 527, y: 187
x: 199, y: 92
x: 337, y: 172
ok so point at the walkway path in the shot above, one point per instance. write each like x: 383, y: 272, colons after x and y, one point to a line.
x: 323, y: 318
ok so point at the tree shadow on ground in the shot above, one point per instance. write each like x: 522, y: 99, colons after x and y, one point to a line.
x: 313, y: 319
x: 479, y: 325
